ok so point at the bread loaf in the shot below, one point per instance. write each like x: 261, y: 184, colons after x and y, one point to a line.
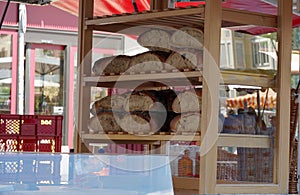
x: 142, y: 101
x: 113, y: 64
x: 180, y: 62
x: 135, y: 123
x: 187, y: 122
x: 147, y: 62
x: 188, y: 101
x: 155, y: 39
x: 109, y: 103
x: 104, y: 122
x: 188, y: 37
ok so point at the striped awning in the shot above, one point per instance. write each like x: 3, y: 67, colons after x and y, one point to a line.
x: 266, y: 99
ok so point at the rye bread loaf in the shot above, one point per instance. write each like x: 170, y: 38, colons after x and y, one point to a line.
x: 187, y: 122
x: 155, y: 39
x: 148, y: 61
x: 188, y: 37
x: 113, y: 64
x: 109, y: 103
x: 145, y: 100
x: 188, y: 101
x: 140, y: 123
x: 180, y: 62
x: 104, y: 122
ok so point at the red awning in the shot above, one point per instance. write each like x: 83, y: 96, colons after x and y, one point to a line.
x: 267, y: 99
x: 109, y: 7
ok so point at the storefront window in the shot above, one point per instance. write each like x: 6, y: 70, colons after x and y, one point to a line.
x: 48, y: 81
x: 5, y: 72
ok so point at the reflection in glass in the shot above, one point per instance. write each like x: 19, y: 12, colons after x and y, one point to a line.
x: 5, y: 72
x: 48, y: 81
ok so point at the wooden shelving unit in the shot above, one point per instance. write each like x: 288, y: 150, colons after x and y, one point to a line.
x: 212, y: 16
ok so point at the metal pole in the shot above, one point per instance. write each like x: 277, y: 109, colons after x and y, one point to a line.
x: 21, y: 49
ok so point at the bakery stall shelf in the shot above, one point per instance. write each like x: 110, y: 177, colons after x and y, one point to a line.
x: 211, y: 17
x: 262, y: 79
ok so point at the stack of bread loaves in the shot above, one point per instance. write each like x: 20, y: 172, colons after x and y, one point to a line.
x: 169, y: 50
x: 188, y: 105
x: 184, y: 46
x: 138, y: 112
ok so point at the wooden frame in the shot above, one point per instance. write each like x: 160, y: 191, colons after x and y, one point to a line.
x: 197, y: 17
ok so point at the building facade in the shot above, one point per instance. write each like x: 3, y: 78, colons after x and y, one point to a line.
x: 38, y: 64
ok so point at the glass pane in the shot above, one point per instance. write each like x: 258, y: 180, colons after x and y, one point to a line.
x: 49, y: 81
x: 238, y: 164
x: 5, y: 72
x: 248, y: 109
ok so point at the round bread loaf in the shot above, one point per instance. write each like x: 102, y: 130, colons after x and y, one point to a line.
x: 187, y: 122
x: 140, y: 101
x: 109, y: 103
x: 113, y: 64
x: 178, y: 61
x: 155, y: 39
x: 135, y: 123
x: 187, y: 101
x: 147, y: 62
x: 104, y: 122
x: 142, y: 122
x: 188, y: 37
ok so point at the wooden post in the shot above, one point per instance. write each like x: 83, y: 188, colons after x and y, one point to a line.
x: 85, y: 39
x: 210, y: 102
x: 284, y: 91
x: 159, y: 4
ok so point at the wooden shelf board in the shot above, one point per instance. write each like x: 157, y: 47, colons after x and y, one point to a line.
x: 129, y: 80
x: 244, y: 140
x: 247, y: 78
x: 187, y: 183
x: 180, y: 79
x: 193, y: 17
x: 129, y: 137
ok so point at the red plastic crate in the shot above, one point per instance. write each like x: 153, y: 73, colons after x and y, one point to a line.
x: 49, y: 125
x: 28, y: 124
x: 30, y: 133
x: 28, y: 144
x: 9, y: 143
x: 9, y: 124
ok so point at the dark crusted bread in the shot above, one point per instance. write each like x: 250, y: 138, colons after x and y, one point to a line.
x: 148, y: 61
x: 155, y: 39
x: 188, y: 101
x: 180, y: 62
x: 104, y: 122
x: 188, y: 37
x: 109, y: 103
x: 113, y: 64
x: 187, y: 122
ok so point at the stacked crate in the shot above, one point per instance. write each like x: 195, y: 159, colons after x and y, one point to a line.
x: 30, y: 133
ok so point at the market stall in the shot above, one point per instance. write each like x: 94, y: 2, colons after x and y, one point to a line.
x: 249, y: 145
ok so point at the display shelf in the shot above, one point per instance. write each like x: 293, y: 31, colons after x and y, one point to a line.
x: 129, y: 80
x: 129, y: 137
x: 210, y: 17
x: 244, y: 140
x: 192, y: 16
x: 181, y: 79
x: 229, y: 140
x: 247, y: 78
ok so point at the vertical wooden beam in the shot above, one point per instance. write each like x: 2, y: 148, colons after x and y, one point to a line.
x: 85, y: 44
x: 159, y: 4
x: 210, y: 101
x: 283, y: 97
